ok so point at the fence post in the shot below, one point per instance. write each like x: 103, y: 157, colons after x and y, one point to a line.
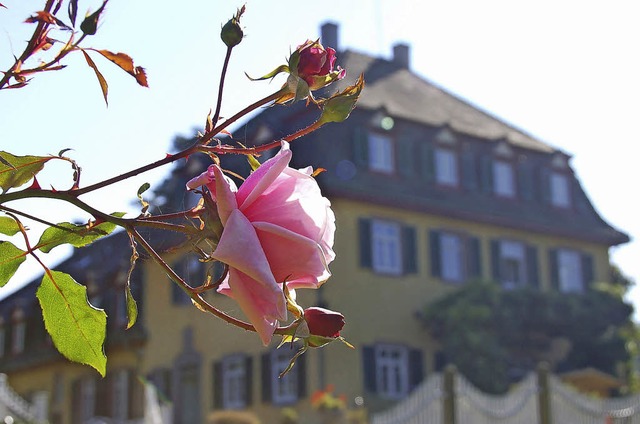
x: 449, y: 399
x: 544, y: 398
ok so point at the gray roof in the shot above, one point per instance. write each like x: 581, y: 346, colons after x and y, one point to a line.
x: 403, y: 94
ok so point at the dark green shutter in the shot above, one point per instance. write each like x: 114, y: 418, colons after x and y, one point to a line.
x: 434, y: 253
x: 217, y: 379
x: 495, y: 261
x: 301, y: 363
x: 406, y: 158
x: 427, y: 162
x: 266, y: 377
x: 469, y: 170
x: 248, y: 380
x: 588, y: 275
x: 486, y: 174
x: 532, y: 266
x: 474, y: 259
x: 369, y: 368
x: 360, y: 146
x: 410, y: 263
x: 416, y: 368
x: 554, y: 275
x: 526, y: 181
x: 545, y: 185
x: 364, y: 230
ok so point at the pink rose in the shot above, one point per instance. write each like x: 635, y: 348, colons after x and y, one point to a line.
x: 277, y: 227
x: 316, y: 65
x: 323, y: 322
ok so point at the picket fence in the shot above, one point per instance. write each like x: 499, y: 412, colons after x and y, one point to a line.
x: 541, y: 398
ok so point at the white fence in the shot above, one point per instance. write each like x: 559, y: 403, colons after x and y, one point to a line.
x: 541, y: 398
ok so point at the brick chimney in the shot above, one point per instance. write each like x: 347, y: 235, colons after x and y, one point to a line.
x: 329, y: 35
x: 401, y: 55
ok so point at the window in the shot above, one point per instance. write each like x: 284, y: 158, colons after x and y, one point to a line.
x: 446, y: 164
x: 392, y: 370
x: 18, y: 331
x: 503, y: 179
x: 570, y: 273
x: 451, y: 257
x: 560, y: 195
x: 455, y: 257
x: 232, y: 380
x: 381, y: 157
x: 283, y: 390
x: 514, y: 263
x: 386, y: 248
x: 120, y: 395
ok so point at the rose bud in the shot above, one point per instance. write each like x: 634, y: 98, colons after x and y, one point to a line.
x: 323, y: 322
x: 316, y: 65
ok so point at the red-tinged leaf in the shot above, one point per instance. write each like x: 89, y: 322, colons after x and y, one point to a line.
x: 46, y: 18
x: 103, y: 82
x: 125, y: 62
x: 18, y: 170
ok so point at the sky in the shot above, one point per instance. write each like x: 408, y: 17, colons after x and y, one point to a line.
x: 565, y: 72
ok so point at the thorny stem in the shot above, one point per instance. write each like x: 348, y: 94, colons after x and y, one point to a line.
x: 216, y: 115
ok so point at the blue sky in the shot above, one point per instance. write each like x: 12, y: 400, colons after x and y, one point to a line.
x: 565, y: 72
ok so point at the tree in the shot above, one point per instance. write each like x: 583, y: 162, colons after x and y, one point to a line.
x: 495, y: 336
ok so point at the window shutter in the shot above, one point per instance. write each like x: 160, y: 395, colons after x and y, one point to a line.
x: 469, y: 172
x: 587, y: 270
x: 302, y: 376
x: 216, y: 380
x: 406, y: 157
x: 416, y: 368
x: 360, y: 146
x: 486, y: 174
x: 554, y: 276
x: 474, y: 261
x: 545, y: 186
x: 76, y: 401
x: 248, y: 374
x: 427, y: 165
x: 266, y: 377
x: 526, y: 181
x: 495, y: 261
x: 369, y: 368
x: 410, y: 264
x: 136, y: 396
x: 364, y: 230
x: 434, y: 253
x: 103, y: 405
x: 532, y: 266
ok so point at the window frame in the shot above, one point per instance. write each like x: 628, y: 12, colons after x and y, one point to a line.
x: 386, y: 247
x: 504, y: 179
x: 560, y: 190
x: 284, y: 391
x: 571, y: 277
x: 234, y: 381
x: 391, y: 359
x: 447, y: 167
x: 381, y: 153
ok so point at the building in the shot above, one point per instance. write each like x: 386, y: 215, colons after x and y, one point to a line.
x: 429, y: 192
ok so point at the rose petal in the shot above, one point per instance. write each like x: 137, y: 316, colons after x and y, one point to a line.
x: 225, y: 195
x: 263, y: 177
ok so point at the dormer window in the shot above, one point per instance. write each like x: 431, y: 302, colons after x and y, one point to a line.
x: 381, y: 154
x: 446, y: 164
x: 504, y: 179
x: 559, y: 186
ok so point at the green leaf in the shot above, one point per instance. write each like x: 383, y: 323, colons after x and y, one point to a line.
x: 8, y: 226
x: 78, y: 329
x: 103, y: 82
x: 75, y: 235
x: 132, y: 308
x: 10, y: 260
x: 18, y: 170
x: 280, y: 69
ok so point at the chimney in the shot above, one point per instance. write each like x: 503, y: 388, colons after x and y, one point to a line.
x: 329, y: 35
x: 401, y: 55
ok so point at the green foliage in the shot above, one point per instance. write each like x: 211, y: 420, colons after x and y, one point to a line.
x: 18, y: 170
x: 494, y: 335
x: 10, y: 260
x: 8, y: 226
x: 78, y: 329
x: 75, y: 235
